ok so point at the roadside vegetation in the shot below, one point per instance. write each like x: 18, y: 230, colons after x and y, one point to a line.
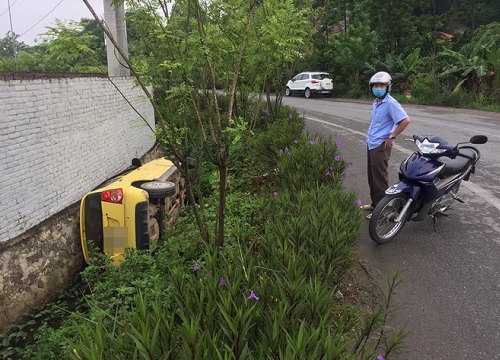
x: 274, y: 290
x: 257, y: 265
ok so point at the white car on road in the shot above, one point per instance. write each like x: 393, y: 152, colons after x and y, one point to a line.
x: 309, y: 84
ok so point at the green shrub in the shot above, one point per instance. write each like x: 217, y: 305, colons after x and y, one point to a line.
x: 262, y: 153
x: 356, y: 91
x: 294, y: 269
x: 309, y: 162
x: 425, y: 89
x: 294, y: 263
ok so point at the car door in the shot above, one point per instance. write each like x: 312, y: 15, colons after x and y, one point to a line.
x: 296, y: 82
x: 302, y: 83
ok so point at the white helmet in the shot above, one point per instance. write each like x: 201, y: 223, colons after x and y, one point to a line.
x: 381, y: 78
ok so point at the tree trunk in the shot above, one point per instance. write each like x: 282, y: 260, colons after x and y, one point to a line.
x: 221, y: 211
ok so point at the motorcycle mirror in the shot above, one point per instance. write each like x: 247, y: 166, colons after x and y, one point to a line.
x: 478, y: 139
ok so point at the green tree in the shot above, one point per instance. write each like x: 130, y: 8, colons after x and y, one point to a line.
x: 96, y: 42
x: 275, y: 47
x: 399, y: 24
x: 343, y: 53
x: 477, y: 64
x: 67, y: 47
x: 186, y: 55
x: 10, y: 46
x: 73, y: 47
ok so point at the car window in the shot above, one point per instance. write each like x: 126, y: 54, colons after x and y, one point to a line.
x: 320, y: 76
x: 297, y: 77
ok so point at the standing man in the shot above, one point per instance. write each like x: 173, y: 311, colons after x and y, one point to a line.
x: 388, y: 121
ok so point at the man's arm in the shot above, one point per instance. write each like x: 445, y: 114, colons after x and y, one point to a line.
x: 398, y: 130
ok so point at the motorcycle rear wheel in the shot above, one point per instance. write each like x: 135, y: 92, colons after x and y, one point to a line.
x: 383, y: 227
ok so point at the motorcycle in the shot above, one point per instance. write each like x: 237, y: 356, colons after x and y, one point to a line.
x: 429, y: 182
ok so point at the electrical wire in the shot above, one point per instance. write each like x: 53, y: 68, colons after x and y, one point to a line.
x: 11, y: 5
x: 39, y: 21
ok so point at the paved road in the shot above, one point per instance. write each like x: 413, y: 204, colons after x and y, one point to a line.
x: 450, y: 297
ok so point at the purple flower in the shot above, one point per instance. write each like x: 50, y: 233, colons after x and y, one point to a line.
x: 358, y: 202
x: 290, y: 117
x: 349, y: 164
x: 295, y: 141
x: 337, y: 158
x: 380, y: 357
x: 311, y: 142
x: 338, y: 143
x: 265, y: 111
x: 262, y: 117
x: 275, y: 194
x: 253, y: 296
x: 222, y: 281
x: 281, y: 151
x: 196, y: 267
x: 328, y: 174
x: 287, y: 150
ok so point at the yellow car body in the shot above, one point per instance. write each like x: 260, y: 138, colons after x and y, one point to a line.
x: 128, y: 211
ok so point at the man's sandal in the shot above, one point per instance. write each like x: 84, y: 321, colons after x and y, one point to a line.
x: 367, y: 207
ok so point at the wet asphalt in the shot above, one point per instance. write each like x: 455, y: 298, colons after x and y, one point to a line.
x: 449, y: 299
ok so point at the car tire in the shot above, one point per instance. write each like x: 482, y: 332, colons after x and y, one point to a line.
x: 159, y: 189
x: 324, y: 83
x: 307, y: 93
x: 288, y: 92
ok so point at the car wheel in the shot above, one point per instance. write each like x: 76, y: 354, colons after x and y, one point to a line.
x: 159, y: 189
x: 307, y: 93
x: 326, y: 84
x: 288, y: 92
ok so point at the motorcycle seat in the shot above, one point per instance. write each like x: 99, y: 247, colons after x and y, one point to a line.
x: 456, y: 165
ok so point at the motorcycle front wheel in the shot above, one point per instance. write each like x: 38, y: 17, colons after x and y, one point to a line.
x: 383, y: 226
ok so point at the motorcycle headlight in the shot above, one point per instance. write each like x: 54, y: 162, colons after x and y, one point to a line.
x: 427, y: 147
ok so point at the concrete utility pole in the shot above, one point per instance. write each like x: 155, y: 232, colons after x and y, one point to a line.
x: 14, y: 50
x: 114, y: 16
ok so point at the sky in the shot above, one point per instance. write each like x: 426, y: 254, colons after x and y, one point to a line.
x: 31, y: 17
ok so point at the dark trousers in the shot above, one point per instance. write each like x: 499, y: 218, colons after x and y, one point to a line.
x: 378, y: 174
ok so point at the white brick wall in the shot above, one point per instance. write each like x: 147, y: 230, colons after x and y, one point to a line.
x: 59, y: 139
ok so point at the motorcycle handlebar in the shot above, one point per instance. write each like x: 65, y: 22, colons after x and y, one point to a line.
x: 478, y: 153
x: 452, y: 151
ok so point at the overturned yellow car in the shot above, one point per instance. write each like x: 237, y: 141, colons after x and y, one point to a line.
x: 129, y: 211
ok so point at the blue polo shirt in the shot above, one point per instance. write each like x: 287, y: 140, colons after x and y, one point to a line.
x: 386, y: 115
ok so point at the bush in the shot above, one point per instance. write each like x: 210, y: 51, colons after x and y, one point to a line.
x: 273, y: 134
x: 425, y: 89
x: 309, y: 162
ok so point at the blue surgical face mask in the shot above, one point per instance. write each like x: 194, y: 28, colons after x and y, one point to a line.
x: 379, y: 92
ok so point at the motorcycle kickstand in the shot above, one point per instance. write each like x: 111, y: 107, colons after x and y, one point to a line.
x: 434, y: 224
x: 435, y: 219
